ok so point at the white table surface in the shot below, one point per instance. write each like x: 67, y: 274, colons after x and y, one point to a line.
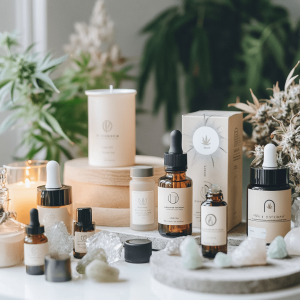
x: 135, y: 284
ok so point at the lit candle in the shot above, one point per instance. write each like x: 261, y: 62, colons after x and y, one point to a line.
x: 23, y: 197
x: 23, y: 178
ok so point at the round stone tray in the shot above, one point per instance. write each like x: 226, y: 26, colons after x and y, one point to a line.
x: 277, y: 274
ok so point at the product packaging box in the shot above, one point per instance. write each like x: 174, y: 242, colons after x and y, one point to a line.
x: 213, y: 141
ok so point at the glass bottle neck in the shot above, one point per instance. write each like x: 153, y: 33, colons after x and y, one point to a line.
x: 176, y: 175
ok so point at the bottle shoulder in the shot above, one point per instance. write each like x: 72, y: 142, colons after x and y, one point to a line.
x: 214, y: 203
x: 167, y: 182
x: 256, y: 187
x: 35, y: 239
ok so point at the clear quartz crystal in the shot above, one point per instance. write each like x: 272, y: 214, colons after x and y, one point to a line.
x: 94, y: 254
x: 250, y: 252
x: 60, y: 241
x: 109, y: 242
x: 173, y: 246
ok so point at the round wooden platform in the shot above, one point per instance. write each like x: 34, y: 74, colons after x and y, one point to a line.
x: 277, y: 274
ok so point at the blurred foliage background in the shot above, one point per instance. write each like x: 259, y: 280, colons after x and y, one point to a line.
x: 209, y: 52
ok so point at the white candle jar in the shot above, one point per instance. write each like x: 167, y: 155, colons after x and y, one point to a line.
x: 23, y: 178
x: 111, y: 116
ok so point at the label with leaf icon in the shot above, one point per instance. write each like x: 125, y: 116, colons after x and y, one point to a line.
x: 142, y: 207
x: 269, y: 213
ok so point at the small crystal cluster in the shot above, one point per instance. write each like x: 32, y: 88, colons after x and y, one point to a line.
x: 60, y: 241
x: 277, y: 248
x: 190, y: 254
x: 173, y: 246
x: 94, y: 254
x: 222, y: 260
x: 100, y: 271
x: 107, y: 241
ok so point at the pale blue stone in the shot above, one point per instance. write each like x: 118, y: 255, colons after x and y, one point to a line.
x: 222, y: 260
x: 190, y: 254
x: 277, y: 248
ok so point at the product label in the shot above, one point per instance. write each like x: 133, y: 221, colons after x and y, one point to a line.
x: 80, y: 241
x: 34, y: 254
x: 175, y: 206
x: 50, y: 215
x: 142, y: 210
x: 213, y: 225
x: 206, y: 140
x: 269, y: 214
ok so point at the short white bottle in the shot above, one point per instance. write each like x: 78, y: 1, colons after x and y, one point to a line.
x: 142, y: 199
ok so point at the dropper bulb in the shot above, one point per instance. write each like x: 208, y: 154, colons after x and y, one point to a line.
x: 34, y: 218
x: 270, y: 156
x: 53, y: 175
x: 175, y: 143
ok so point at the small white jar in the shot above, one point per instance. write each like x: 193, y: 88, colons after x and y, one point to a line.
x: 142, y: 199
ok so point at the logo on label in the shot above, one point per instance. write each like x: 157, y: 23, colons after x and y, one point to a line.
x: 269, y: 205
x: 107, y: 125
x: 83, y: 238
x: 34, y: 250
x: 206, y: 140
x: 210, y: 220
x: 142, y: 201
x: 173, y: 198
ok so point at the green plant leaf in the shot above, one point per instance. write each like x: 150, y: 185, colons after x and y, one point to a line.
x: 9, y: 121
x: 44, y: 77
x: 55, y: 125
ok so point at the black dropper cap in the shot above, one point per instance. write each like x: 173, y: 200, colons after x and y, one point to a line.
x: 175, y: 159
x: 84, y: 215
x: 34, y: 226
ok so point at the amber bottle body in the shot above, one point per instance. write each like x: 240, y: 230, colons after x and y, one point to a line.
x: 176, y: 180
x: 41, y: 241
x: 81, y: 233
x: 214, y: 201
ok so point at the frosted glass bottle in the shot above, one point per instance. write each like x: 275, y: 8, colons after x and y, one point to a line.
x: 142, y: 199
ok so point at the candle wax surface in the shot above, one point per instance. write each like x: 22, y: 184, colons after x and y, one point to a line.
x: 23, y: 197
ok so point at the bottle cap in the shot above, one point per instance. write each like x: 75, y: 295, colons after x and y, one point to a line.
x: 53, y: 193
x: 84, y: 215
x: 34, y: 226
x: 141, y: 171
x: 175, y: 159
x: 137, y: 251
x: 58, y: 268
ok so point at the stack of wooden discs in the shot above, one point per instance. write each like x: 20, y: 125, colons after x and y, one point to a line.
x: 106, y: 190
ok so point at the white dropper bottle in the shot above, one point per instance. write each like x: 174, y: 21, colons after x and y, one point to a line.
x: 54, y: 200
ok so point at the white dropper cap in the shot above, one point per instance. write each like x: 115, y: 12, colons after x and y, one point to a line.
x: 270, y: 156
x: 53, y: 175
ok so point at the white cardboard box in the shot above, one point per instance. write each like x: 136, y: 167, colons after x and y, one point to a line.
x: 213, y: 141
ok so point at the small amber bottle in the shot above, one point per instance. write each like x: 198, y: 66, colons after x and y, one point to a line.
x: 175, y: 193
x: 83, y: 229
x: 214, y: 223
x: 35, y: 245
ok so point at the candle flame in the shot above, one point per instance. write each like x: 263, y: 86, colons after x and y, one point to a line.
x: 27, y: 183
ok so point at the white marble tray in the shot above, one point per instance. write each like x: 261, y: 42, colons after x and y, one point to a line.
x: 277, y: 274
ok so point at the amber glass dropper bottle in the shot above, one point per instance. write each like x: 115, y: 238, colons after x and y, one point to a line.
x: 214, y: 223
x: 175, y: 194
x: 35, y: 245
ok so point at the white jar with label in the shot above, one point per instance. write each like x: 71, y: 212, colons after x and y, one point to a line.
x: 142, y: 199
x: 111, y: 115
